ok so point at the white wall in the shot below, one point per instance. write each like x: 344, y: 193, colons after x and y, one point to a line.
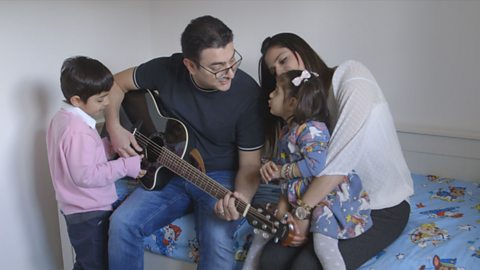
x: 423, y: 53
x: 35, y: 38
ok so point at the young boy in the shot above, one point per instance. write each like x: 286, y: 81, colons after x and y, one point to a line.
x: 82, y: 175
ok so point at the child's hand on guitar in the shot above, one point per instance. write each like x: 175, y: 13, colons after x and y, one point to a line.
x: 270, y: 171
x: 141, y: 173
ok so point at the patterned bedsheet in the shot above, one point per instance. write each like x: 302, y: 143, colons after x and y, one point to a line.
x: 444, y: 229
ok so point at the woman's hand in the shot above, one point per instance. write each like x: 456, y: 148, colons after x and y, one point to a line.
x: 270, y: 171
x: 300, y: 233
x: 122, y: 141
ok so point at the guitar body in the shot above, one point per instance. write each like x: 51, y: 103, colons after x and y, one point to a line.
x: 143, y: 114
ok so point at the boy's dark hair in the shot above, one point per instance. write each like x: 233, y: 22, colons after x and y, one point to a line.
x: 203, y: 33
x: 310, y: 93
x: 84, y: 77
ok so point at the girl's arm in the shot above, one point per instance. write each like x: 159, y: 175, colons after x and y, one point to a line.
x: 312, y: 140
x: 320, y: 187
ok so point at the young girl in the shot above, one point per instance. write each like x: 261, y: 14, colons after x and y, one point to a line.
x: 338, y: 211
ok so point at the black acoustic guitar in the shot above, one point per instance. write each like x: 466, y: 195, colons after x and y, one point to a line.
x: 167, y: 151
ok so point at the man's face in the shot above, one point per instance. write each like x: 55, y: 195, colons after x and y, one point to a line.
x: 216, y: 68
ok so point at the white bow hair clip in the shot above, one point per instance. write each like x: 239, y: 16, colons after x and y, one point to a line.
x: 303, y: 77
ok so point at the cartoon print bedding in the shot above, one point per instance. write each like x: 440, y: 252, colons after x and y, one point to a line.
x: 443, y: 231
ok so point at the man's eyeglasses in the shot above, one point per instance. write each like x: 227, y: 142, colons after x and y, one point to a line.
x: 223, y: 72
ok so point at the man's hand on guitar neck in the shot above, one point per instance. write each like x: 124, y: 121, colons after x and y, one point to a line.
x: 225, y: 208
x: 123, y: 141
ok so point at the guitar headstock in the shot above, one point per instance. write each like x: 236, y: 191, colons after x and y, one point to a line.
x: 266, y: 224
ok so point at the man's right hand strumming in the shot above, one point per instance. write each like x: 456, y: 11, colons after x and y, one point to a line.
x: 123, y: 141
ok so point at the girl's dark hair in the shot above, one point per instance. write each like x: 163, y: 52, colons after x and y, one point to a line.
x: 310, y: 93
x: 84, y: 77
x: 312, y: 62
x: 203, y: 33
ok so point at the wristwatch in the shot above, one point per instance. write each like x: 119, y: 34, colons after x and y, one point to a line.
x: 302, y: 211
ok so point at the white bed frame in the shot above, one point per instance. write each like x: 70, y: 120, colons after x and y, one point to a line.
x: 444, y: 155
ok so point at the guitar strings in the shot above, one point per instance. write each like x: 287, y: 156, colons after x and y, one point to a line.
x: 170, y: 156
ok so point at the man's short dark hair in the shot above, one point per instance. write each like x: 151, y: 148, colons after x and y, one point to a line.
x: 203, y: 33
x: 84, y: 77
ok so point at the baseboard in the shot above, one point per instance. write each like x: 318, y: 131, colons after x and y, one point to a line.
x: 448, y: 156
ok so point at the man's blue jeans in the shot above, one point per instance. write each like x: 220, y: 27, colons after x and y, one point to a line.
x: 144, y: 211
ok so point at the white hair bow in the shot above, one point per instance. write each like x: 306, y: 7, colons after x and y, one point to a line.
x: 303, y: 76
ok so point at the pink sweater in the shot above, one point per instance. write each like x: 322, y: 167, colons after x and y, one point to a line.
x: 82, y: 176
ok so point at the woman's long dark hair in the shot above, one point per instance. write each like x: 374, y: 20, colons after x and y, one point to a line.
x: 267, y: 80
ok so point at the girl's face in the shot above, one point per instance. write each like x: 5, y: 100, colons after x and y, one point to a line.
x: 280, y: 105
x: 281, y: 59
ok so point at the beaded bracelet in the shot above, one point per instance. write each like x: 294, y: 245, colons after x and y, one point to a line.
x: 287, y: 171
x: 283, y: 171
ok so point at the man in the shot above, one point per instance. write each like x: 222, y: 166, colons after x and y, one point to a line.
x: 222, y: 108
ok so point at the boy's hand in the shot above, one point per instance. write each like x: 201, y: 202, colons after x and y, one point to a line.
x: 141, y: 174
x: 270, y: 171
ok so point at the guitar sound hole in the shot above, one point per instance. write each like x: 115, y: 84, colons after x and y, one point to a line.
x: 153, y: 148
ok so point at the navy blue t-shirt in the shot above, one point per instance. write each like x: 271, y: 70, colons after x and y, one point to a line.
x: 221, y: 122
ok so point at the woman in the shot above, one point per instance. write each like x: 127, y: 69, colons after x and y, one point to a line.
x: 363, y: 139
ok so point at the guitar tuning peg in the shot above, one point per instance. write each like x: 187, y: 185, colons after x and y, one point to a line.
x: 254, y: 223
x: 276, y: 224
x: 264, y: 227
x: 267, y: 206
x: 260, y: 210
x: 276, y: 240
x: 256, y: 231
x: 274, y: 231
x: 268, y: 217
x: 265, y: 235
x: 275, y: 212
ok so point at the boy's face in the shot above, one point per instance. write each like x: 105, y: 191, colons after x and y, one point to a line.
x: 95, y: 104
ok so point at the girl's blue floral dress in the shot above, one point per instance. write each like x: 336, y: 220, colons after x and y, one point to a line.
x: 345, y: 212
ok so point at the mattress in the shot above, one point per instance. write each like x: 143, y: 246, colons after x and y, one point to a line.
x: 443, y: 230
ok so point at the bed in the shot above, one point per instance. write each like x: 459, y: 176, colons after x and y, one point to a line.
x: 443, y: 231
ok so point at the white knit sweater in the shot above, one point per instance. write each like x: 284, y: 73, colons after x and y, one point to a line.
x: 364, y: 138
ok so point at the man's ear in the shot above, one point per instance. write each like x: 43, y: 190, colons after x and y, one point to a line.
x: 190, y: 65
x: 76, y: 101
